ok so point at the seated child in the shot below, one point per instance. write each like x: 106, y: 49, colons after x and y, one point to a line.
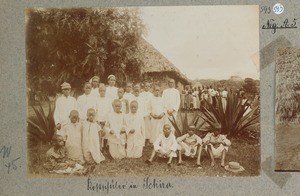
x: 165, y: 145
x: 124, y: 102
x: 216, y: 145
x: 56, y: 155
x: 135, y: 132
x: 71, y: 133
x: 91, y: 139
x: 116, y: 132
x: 189, y: 145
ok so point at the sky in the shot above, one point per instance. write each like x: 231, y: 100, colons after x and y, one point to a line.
x: 206, y: 42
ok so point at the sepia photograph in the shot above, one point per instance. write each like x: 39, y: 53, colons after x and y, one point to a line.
x: 149, y: 91
x: 287, y: 109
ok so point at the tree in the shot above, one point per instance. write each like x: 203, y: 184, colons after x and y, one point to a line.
x: 75, y: 44
x: 250, y: 86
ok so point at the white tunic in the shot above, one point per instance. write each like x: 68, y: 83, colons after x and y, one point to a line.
x: 171, y: 97
x: 128, y: 96
x: 63, y: 107
x: 147, y: 97
x: 111, y: 93
x: 164, y: 144
x: 84, y: 103
x: 115, y: 121
x: 141, y: 105
x: 103, y: 108
x: 156, y: 108
x: 95, y: 92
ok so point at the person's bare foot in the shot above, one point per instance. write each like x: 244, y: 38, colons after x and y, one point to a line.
x: 169, y: 164
x: 212, y: 163
x: 179, y: 163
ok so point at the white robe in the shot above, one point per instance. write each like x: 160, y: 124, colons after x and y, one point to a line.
x: 84, y: 103
x: 91, y: 142
x: 165, y: 144
x: 72, y: 134
x: 111, y: 93
x: 63, y: 107
x: 103, y: 108
x: 95, y: 92
x: 128, y: 96
x: 171, y: 97
x: 136, y: 140
x: 147, y: 97
x: 141, y: 105
x: 224, y: 95
x: 156, y: 108
x: 116, y: 141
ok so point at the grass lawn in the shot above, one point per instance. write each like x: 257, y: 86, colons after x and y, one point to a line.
x: 287, y: 147
x: 245, y: 151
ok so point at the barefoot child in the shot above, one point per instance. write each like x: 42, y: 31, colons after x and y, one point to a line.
x: 135, y: 132
x: 165, y: 145
x: 216, y: 145
x: 116, y: 132
x: 71, y: 133
x: 190, y: 145
x: 91, y: 140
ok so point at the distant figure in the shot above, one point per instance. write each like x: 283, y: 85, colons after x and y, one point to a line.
x: 95, y: 81
x: 63, y: 106
x: 224, y: 95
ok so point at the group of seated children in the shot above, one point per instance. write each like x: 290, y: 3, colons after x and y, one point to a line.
x: 190, y: 145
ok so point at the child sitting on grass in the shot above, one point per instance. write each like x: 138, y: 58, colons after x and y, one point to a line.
x: 216, y: 145
x: 91, y: 139
x: 190, y: 145
x: 165, y: 146
x: 57, y: 161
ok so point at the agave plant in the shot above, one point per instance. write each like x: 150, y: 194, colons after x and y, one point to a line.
x: 233, y: 119
x: 182, y: 126
x: 40, y: 128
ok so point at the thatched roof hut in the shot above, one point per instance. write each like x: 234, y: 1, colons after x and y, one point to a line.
x: 157, y: 66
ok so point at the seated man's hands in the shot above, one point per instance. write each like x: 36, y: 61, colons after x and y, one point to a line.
x: 132, y: 131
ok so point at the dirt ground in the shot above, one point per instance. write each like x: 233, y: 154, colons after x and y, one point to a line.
x: 287, y: 147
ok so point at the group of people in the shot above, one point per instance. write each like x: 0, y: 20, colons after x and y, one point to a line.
x: 123, y: 121
x: 195, y: 97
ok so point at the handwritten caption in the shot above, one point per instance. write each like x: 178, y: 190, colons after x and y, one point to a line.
x: 273, y: 25
x: 147, y: 184
x: 9, y: 163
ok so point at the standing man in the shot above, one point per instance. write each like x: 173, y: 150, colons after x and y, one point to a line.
x: 171, y: 99
x: 147, y: 95
x: 63, y: 106
x: 111, y: 89
x: 95, y: 81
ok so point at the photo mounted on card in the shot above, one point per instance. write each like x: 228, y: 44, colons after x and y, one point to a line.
x: 143, y: 91
x: 287, y: 109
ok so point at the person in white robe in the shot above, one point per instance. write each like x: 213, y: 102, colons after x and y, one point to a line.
x: 91, y: 133
x: 124, y: 102
x: 86, y: 101
x: 137, y: 97
x: 135, y: 132
x: 147, y: 95
x: 165, y: 146
x: 224, y: 95
x: 190, y: 145
x: 157, y: 114
x: 63, y: 106
x: 216, y: 145
x: 128, y: 92
x: 111, y: 89
x: 71, y: 133
x: 103, y: 105
x: 95, y: 81
x: 171, y: 97
x: 116, y: 131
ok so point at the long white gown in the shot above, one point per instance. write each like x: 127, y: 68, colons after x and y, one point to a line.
x: 63, y: 106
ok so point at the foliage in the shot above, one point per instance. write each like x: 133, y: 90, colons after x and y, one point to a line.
x: 234, y: 119
x: 75, y: 44
x: 40, y: 127
x: 250, y: 86
x: 182, y: 126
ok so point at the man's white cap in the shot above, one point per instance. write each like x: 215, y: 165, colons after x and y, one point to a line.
x: 111, y: 77
x: 65, y: 85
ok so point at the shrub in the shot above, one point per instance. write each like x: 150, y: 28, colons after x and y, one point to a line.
x: 233, y: 120
x: 40, y: 128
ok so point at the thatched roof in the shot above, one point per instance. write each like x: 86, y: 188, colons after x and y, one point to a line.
x: 155, y: 62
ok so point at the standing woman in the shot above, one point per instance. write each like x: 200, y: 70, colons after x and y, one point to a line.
x: 95, y: 81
